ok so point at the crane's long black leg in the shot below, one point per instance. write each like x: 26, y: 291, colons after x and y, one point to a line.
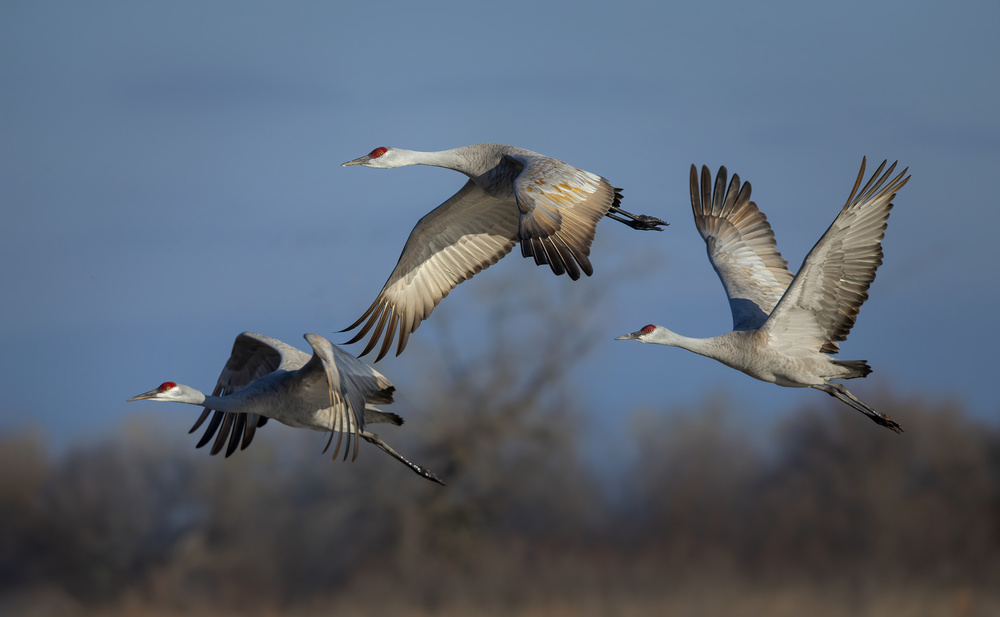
x: 642, y: 222
x: 841, y: 393
x: 417, y: 469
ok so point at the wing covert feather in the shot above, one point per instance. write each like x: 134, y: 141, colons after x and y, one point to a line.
x: 560, y: 208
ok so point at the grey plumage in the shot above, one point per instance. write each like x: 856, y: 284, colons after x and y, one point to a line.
x: 783, y: 326
x: 512, y: 196
x: 329, y: 390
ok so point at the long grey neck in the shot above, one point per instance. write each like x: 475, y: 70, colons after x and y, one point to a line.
x: 472, y: 161
x: 218, y: 403
x: 701, y: 346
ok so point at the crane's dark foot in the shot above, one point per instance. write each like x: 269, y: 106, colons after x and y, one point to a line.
x: 884, y: 420
x: 642, y: 222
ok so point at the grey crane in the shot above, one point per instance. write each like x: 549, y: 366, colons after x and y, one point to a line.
x: 784, y: 326
x: 266, y: 378
x: 512, y: 195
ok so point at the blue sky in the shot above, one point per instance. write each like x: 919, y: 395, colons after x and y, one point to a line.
x: 171, y: 177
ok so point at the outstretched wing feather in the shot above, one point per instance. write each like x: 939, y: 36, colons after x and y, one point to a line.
x: 463, y: 236
x: 740, y: 245
x: 822, y: 303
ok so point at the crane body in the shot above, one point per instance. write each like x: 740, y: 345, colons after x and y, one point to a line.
x: 784, y: 326
x: 264, y: 378
x: 513, y: 196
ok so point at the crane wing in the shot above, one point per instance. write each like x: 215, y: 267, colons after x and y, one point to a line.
x: 253, y: 356
x: 463, y: 236
x: 740, y: 245
x: 337, y: 380
x: 560, y: 208
x: 821, y: 304
x: 377, y: 388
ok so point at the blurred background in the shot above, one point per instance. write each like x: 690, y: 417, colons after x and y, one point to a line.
x: 171, y: 177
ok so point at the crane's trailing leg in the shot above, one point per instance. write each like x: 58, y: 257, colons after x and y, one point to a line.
x: 642, y: 222
x: 841, y: 393
x: 417, y: 469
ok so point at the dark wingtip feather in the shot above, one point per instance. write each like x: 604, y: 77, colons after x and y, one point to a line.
x: 357, y: 337
x: 567, y: 257
x: 390, y: 334
x: 404, y: 335
x: 200, y: 420
x: 237, y: 434
x: 553, y: 257
x: 213, y: 424
x: 376, y: 331
x: 250, y: 431
x: 220, y: 440
x: 360, y: 319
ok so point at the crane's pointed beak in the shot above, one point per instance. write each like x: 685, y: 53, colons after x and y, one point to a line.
x: 145, y: 395
x: 631, y: 336
x: 358, y: 161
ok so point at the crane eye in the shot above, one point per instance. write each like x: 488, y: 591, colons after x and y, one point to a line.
x: 166, y: 385
x: 648, y: 329
x: 377, y: 152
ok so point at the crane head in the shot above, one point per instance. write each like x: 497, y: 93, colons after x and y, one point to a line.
x: 166, y: 391
x: 638, y: 335
x: 376, y: 158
